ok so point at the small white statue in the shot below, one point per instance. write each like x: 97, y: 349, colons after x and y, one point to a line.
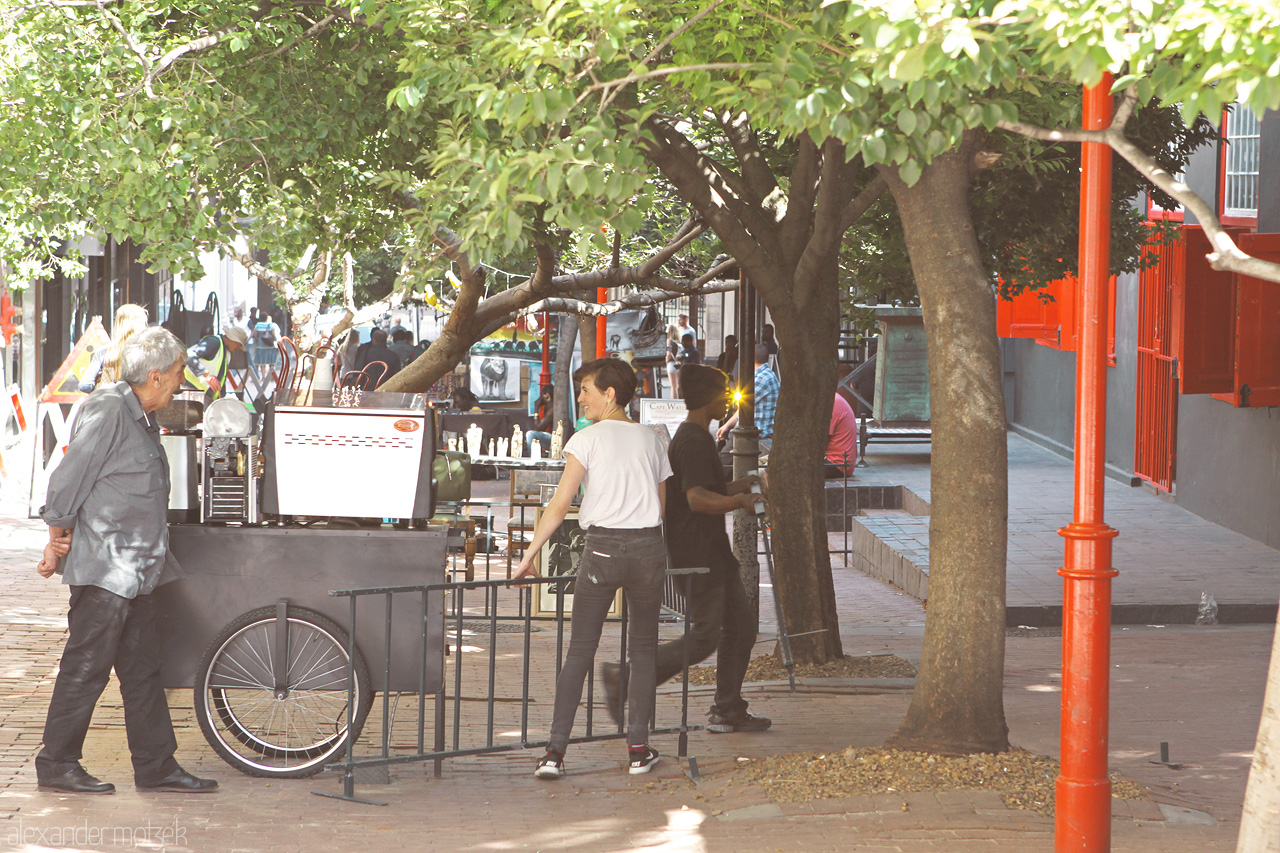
x: 503, y: 444
x: 491, y: 448
x: 475, y: 438
x: 557, y: 441
x: 535, y: 451
x: 453, y: 444
x: 517, y: 442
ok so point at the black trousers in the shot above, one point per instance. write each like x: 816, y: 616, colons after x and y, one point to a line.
x: 721, y: 620
x: 109, y: 631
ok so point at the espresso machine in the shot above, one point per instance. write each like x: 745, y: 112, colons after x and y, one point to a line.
x: 229, y: 465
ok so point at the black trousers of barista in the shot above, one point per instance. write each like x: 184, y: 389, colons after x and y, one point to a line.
x: 109, y: 631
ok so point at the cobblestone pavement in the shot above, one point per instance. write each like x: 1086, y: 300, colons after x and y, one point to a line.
x: 1198, y: 688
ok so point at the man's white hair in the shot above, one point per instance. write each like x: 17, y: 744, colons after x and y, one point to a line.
x: 154, y: 348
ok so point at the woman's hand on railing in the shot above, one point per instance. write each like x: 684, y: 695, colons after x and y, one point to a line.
x: 527, y: 568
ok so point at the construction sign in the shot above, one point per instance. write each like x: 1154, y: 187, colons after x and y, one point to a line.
x: 64, y: 387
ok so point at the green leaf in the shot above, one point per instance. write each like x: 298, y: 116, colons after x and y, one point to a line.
x: 908, y: 65
x: 909, y: 172
x: 874, y: 149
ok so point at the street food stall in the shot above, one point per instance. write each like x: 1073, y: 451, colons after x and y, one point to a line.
x: 323, y: 490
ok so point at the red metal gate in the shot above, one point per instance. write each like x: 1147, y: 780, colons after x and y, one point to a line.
x: 1155, y: 437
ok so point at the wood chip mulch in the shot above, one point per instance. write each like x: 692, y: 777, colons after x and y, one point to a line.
x: 771, y: 668
x: 1023, y: 779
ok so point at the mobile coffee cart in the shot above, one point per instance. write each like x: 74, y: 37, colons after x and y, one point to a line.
x: 331, y: 490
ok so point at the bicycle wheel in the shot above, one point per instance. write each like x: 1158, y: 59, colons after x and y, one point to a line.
x: 292, y: 733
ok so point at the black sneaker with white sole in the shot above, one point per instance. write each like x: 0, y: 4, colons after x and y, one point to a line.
x: 550, y: 766
x: 643, y: 758
x: 744, y: 722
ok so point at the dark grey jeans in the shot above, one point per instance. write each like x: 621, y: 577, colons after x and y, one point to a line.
x: 721, y: 620
x: 108, y: 631
x: 634, y: 561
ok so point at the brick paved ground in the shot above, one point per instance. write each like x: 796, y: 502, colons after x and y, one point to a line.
x: 1199, y: 688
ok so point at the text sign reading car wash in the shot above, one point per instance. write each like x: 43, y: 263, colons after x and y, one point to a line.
x: 669, y: 412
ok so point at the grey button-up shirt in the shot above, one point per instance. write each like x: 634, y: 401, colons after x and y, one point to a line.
x: 112, y: 490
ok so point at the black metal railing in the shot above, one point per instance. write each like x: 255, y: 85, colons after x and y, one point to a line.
x: 453, y: 626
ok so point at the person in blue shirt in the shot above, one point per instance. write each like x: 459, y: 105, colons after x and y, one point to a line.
x: 766, y: 401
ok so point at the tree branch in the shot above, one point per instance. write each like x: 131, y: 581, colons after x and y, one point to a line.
x: 756, y: 174
x: 580, y: 307
x: 742, y: 230
x: 1227, y: 256
x: 714, y: 273
x: 133, y: 45
x: 831, y: 198
x: 318, y: 27
x: 616, y: 86
x: 727, y: 185
x: 861, y: 203
x: 835, y: 186
x: 163, y: 65
x: 279, y: 281
x: 689, y: 231
x: 802, y: 192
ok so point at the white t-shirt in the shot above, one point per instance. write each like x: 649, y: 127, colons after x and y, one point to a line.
x: 625, y: 462
x: 688, y: 330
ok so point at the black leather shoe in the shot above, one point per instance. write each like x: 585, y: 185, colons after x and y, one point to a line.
x: 76, y: 781
x: 180, y: 782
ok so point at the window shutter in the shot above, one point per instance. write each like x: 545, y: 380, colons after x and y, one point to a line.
x: 1049, y: 323
x: 1258, y: 329
x: 1204, y: 316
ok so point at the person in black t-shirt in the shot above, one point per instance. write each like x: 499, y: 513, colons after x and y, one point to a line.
x: 698, y: 498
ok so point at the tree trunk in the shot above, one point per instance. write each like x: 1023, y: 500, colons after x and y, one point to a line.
x: 587, y: 332
x: 1260, y: 824
x: 426, y: 370
x: 808, y: 340
x: 562, y: 378
x: 958, y: 704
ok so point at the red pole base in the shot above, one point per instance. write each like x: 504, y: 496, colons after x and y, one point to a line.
x: 1082, y: 815
x: 1082, y: 808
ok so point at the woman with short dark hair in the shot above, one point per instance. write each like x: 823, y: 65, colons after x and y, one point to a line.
x: 623, y: 468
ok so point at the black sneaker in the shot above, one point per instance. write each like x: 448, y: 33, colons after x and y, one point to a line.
x: 610, y: 677
x: 550, y: 766
x: 744, y: 722
x: 643, y: 758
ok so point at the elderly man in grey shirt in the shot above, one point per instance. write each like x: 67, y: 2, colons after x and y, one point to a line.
x: 106, y: 510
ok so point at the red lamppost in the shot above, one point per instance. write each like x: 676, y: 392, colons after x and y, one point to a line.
x: 544, y: 379
x: 1082, y: 819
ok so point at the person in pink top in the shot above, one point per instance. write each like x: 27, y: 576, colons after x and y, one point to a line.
x: 842, y: 440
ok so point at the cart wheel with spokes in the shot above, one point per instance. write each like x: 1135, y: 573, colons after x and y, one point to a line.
x: 293, y: 730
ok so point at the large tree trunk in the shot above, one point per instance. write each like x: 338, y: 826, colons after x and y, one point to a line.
x: 808, y: 340
x: 958, y: 704
x: 1260, y: 824
x: 566, y: 336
